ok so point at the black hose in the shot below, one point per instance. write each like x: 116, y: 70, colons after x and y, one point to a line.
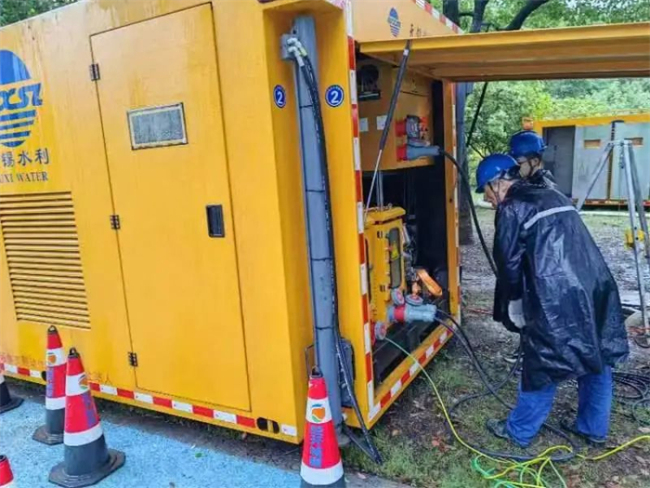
x: 458, y: 331
x: 389, y: 118
x: 468, y: 195
x: 312, y: 83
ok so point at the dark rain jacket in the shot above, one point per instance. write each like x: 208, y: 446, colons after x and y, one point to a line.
x: 542, y: 177
x: 546, y: 257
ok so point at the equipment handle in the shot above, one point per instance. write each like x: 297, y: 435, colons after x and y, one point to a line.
x: 215, y: 221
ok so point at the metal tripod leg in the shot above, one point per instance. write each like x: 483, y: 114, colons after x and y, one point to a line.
x: 640, y: 208
x: 632, y: 198
x: 599, y: 169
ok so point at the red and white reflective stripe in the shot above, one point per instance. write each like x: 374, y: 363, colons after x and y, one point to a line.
x: 74, y: 439
x: 76, y: 385
x: 349, y: 19
x: 363, y: 268
x: 55, y: 403
x: 17, y: 370
x: 399, y: 385
x: 188, y: 408
x: 55, y: 357
x: 322, y: 476
x: 438, y: 16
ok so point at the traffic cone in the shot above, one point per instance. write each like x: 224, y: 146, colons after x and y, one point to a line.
x: 6, y: 401
x: 321, y: 459
x: 87, y: 460
x: 52, y: 432
x: 6, y: 476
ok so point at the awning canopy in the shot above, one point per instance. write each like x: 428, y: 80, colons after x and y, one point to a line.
x: 602, y: 51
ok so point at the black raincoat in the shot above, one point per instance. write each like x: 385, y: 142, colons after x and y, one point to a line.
x: 546, y: 256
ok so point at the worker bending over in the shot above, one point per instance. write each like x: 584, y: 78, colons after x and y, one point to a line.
x: 562, y: 298
x: 527, y: 148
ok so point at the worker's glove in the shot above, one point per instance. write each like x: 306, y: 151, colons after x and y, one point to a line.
x: 516, y: 313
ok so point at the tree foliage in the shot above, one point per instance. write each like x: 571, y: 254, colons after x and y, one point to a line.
x: 16, y: 10
x: 506, y: 103
x: 554, y: 13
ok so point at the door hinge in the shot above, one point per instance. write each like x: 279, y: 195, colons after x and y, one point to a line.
x: 133, y: 359
x: 94, y: 72
x: 115, y: 222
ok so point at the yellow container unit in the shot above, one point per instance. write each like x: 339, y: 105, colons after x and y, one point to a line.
x: 151, y: 204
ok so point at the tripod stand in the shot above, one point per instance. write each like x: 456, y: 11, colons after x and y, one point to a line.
x: 638, y: 222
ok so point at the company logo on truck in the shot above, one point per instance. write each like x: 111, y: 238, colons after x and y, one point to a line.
x: 20, y: 96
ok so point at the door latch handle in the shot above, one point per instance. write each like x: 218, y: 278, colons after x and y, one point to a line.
x: 215, y: 221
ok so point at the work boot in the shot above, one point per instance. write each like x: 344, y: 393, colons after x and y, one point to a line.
x: 512, y: 357
x: 499, y: 429
x: 573, y: 429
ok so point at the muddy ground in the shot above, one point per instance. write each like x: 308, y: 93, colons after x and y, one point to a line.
x: 413, y: 436
x: 419, y: 449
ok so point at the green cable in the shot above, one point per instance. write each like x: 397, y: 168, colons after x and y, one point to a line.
x: 522, y: 468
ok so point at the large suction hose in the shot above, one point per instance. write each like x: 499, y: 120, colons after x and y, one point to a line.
x: 306, y: 68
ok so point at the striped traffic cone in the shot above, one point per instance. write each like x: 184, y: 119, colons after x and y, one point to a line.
x: 321, y: 459
x: 52, y: 432
x: 87, y: 460
x: 6, y: 476
x: 6, y: 401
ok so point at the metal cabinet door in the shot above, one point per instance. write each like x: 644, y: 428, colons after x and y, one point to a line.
x: 161, y: 112
x: 639, y: 135
x: 589, y: 143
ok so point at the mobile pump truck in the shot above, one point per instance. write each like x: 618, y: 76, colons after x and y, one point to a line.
x: 207, y: 198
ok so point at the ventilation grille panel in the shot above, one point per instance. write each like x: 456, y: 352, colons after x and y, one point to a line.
x: 42, y: 252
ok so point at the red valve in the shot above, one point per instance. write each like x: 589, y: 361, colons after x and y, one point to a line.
x: 401, y: 153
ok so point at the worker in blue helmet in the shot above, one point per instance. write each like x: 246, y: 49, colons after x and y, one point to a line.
x: 558, y: 293
x: 527, y: 148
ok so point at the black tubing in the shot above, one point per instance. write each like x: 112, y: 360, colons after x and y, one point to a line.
x: 312, y: 83
x: 468, y: 193
x: 493, y: 391
x: 389, y: 117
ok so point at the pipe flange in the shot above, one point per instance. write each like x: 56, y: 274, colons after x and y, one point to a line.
x: 381, y: 330
x: 397, y: 296
x: 415, y: 300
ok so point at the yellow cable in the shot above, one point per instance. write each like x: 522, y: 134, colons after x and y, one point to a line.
x: 523, y: 467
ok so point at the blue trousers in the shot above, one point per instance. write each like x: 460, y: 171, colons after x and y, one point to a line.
x: 595, y: 392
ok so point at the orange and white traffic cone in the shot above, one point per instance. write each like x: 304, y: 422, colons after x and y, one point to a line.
x: 6, y: 476
x: 87, y: 460
x: 6, y: 401
x: 321, y: 459
x: 52, y: 432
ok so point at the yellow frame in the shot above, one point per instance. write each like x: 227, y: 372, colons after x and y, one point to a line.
x: 264, y: 179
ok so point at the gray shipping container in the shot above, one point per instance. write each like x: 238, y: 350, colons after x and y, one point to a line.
x: 574, y: 150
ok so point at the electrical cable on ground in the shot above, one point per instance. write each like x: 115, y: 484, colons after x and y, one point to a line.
x: 532, y: 468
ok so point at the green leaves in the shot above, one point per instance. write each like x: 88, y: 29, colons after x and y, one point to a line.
x: 16, y: 10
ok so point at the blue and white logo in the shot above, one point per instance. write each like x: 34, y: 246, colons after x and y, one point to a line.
x: 19, y: 98
x: 334, y: 96
x: 394, y: 22
x: 279, y: 96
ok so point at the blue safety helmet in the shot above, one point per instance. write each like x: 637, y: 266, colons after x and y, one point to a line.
x: 526, y: 143
x: 493, y: 167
